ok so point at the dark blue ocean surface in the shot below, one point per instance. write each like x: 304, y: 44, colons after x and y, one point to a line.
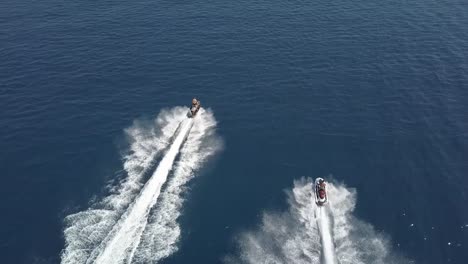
x: 373, y: 93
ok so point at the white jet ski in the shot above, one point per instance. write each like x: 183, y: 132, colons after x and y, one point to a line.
x: 194, y: 108
x: 320, y: 192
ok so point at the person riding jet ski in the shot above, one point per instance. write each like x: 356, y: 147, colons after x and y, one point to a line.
x: 195, y: 107
x: 320, y: 191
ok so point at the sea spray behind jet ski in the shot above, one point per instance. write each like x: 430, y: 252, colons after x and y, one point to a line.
x: 293, y: 237
x: 122, y: 241
x: 87, y: 232
x: 163, y: 231
x: 325, y: 228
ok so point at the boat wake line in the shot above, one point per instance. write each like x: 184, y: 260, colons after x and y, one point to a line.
x: 308, y: 233
x: 137, y: 222
x: 324, y: 220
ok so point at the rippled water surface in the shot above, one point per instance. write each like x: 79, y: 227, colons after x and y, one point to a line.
x: 373, y: 94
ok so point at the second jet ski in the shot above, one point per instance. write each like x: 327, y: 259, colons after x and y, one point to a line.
x: 194, y: 108
x: 320, y: 192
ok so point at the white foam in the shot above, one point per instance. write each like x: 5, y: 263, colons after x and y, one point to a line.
x: 163, y: 232
x: 126, y: 234
x: 287, y: 237
x: 97, y: 231
x: 326, y: 234
x: 307, y: 234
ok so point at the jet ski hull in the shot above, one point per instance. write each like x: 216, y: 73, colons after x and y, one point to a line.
x: 320, y: 192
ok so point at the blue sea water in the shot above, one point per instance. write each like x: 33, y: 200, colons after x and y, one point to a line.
x: 373, y: 93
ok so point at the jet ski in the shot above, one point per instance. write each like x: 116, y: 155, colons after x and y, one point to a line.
x: 194, y: 108
x: 320, y: 192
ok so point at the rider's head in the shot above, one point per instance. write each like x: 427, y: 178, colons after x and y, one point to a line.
x: 194, y: 101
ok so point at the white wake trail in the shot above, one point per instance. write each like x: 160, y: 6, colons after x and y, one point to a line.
x: 126, y: 234
x: 84, y: 231
x: 89, y: 233
x: 286, y: 237
x: 162, y: 233
x: 307, y: 234
x: 326, y: 236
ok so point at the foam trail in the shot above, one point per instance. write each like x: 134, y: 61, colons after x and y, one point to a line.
x: 126, y: 234
x: 325, y: 229
x: 307, y: 234
x: 162, y: 233
x: 286, y: 237
x: 86, y: 230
